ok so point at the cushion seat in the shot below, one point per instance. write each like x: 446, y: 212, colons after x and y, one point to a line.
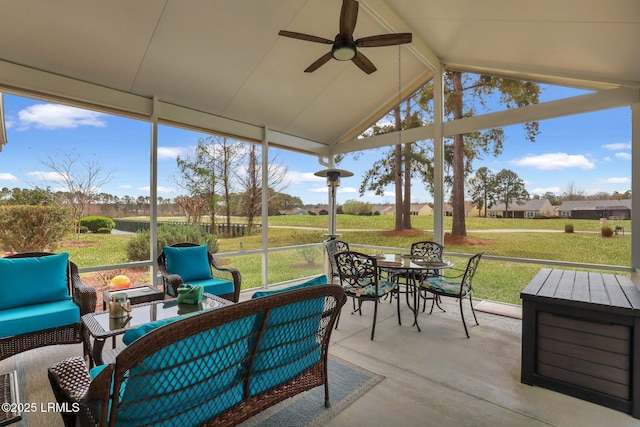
x: 213, y: 285
x: 370, y: 290
x: 38, y: 317
x: 444, y: 286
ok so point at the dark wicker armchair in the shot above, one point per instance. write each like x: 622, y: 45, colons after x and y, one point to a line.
x: 171, y: 281
x: 83, y: 296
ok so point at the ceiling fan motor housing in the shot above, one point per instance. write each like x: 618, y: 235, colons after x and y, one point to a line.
x: 343, y: 49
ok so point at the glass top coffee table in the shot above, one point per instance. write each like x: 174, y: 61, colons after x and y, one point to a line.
x: 99, y: 326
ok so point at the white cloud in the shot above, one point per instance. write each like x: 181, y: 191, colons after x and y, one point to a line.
x: 541, y: 190
x: 126, y: 186
x: 46, y: 176
x: 318, y: 190
x: 295, y: 177
x: 5, y: 176
x: 617, y: 146
x: 54, y: 116
x: 626, y: 156
x: 555, y: 161
x: 617, y: 180
x: 171, y: 153
x: 161, y: 189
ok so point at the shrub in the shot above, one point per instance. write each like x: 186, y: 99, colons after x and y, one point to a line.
x: 169, y: 234
x: 568, y: 228
x: 94, y: 223
x: 33, y: 228
x: 103, y: 230
x: 83, y: 229
x: 606, y: 231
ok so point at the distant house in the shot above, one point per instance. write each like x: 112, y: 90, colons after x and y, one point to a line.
x: 320, y: 210
x: 533, y: 208
x: 596, y: 209
x: 416, y: 209
x: 294, y: 211
x: 421, y: 209
x: 469, y: 209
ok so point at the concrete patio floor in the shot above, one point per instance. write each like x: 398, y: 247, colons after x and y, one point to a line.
x: 438, y: 377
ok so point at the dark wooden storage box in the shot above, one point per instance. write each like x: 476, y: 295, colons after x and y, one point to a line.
x: 581, y: 337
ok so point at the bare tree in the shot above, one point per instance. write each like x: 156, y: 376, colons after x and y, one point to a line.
x: 82, y: 180
x: 251, y: 182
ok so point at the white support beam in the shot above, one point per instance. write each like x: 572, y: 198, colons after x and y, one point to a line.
x: 635, y: 185
x: 597, y: 101
x: 64, y: 90
x: 438, y: 159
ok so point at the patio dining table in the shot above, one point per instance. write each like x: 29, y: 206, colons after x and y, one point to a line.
x: 411, y: 268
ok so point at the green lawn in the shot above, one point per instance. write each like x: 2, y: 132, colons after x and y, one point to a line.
x: 499, y: 281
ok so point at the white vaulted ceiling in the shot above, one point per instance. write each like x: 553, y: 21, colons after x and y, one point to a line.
x: 220, y: 65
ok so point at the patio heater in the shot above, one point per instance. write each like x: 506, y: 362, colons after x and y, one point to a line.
x: 333, y: 182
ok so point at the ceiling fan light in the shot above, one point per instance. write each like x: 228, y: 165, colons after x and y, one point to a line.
x: 343, y: 50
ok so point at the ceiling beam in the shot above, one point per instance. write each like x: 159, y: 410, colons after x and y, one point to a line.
x: 64, y: 90
x: 597, y: 101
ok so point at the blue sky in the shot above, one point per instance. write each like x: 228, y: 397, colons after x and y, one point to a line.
x: 592, y: 151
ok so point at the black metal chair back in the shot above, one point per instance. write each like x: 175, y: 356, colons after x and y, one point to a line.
x: 431, y: 250
x: 333, y: 246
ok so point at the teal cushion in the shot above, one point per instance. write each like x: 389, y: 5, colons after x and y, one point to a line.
x: 214, y: 286
x: 320, y: 280
x: 133, y: 334
x: 290, y: 343
x: 438, y: 284
x: 189, y: 380
x: 190, y: 263
x: 34, y: 280
x: 32, y: 318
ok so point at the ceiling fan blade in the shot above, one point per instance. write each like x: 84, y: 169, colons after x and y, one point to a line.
x: 384, y: 40
x: 363, y: 63
x: 348, y: 17
x: 305, y: 37
x: 319, y: 63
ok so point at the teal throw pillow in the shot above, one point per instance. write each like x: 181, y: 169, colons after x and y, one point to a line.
x: 190, y: 263
x: 320, y: 280
x: 33, y: 280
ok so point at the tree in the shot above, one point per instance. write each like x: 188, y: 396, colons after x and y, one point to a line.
x: 480, y: 191
x: 82, y: 180
x: 208, y: 174
x: 508, y: 188
x: 462, y: 92
x: 251, y: 182
x: 573, y: 192
x: 402, y: 163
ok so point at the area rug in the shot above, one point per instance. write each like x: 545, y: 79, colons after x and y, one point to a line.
x: 347, y: 382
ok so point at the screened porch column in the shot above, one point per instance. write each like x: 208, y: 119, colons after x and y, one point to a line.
x: 438, y: 157
x: 265, y: 207
x: 635, y: 186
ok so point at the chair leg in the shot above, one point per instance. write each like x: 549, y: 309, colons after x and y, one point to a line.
x: 398, y: 301
x: 375, y: 316
x: 473, y: 310
x: 338, y: 319
x: 463, y: 322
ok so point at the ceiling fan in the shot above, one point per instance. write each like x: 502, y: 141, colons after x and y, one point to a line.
x: 344, y: 48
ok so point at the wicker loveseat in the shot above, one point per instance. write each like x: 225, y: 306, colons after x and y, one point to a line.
x: 217, y: 367
x: 41, y: 301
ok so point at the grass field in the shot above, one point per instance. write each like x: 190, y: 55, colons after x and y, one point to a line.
x: 498, y: 281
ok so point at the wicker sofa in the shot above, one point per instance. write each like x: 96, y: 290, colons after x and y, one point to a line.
x: 217, y: 367
x: 41, y: 301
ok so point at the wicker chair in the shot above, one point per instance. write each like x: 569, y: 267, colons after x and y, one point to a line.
x: 171, y: 281
x: 217, y: 367
x: 83, y: 296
